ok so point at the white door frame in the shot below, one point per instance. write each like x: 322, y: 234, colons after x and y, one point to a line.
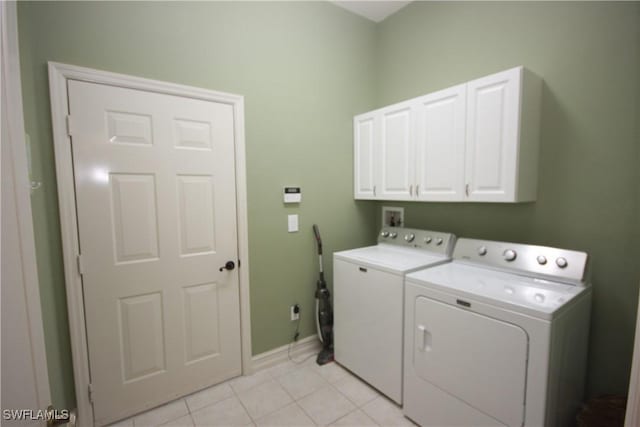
x: 59, y: 74
x: 12, y: 94
x: 632, y: 415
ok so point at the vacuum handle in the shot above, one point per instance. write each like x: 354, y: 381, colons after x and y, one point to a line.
x: 316, y: 231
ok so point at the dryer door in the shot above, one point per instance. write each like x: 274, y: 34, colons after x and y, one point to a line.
x: 479, y: 360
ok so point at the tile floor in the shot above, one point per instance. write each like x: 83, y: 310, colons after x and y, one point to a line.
x: 287, y: 394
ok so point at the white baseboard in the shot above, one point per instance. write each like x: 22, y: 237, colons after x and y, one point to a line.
x: 303, y: 347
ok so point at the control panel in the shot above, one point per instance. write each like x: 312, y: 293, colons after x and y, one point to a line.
x: 536, y: 261
x: 434, y: 241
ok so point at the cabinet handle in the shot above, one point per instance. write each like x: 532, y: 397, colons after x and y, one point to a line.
x: 411, y: 190
x: 466, y: 190
x: 417, y: 190
x: 374, y: 191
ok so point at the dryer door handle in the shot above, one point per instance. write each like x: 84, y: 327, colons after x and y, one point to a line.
x: 424, y: 338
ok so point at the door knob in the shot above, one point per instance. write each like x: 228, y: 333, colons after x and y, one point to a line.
x: 229, y: 265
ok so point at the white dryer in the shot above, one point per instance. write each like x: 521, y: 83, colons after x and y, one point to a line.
x: 368, y: 295
x: 498, y: 337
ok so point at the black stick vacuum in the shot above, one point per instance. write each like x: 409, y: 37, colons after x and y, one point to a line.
x: 324, y: 312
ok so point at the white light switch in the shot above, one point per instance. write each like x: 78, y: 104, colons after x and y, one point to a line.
x: 293, y: 223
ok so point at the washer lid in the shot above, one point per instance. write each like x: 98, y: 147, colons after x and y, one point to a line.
x: 392, y: 258
x: 536, y: 297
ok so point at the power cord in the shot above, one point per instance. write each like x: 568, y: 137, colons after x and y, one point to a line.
x: 295, y: 339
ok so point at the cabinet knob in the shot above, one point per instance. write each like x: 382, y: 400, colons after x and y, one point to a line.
x: 510, y: 255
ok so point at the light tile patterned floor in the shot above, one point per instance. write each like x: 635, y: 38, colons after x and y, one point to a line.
x: 287, y: 394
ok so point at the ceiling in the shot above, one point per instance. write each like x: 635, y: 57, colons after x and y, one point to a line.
x: 376, y: 11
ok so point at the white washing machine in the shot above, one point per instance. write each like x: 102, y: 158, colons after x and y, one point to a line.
x: 498, y: 337
x: 368, y: 295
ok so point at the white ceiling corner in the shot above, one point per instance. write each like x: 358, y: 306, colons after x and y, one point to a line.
x: 376, y: 11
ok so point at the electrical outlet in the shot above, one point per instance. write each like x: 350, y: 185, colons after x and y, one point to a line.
x: 295, y: 312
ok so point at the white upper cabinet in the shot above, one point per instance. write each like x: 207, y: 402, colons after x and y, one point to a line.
x: 502, y: 145
x: 475, y: 142
x: 364, y: 169
x: 439, y: 145
x: 396, y: 153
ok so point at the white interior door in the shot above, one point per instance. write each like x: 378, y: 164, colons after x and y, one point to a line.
x: 25, y: 380
x: 156, y: 206
x: 476, y: 359
x: 440, y: 119
x: 23, y: 385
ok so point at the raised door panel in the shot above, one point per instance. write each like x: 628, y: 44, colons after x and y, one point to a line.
x: 396, y: 152
x: 142, y: 335
x: 493, y: 115
x: 195, y: 213
x: 202, y: 322
x: 135, y: 224
x: 364, y: 155
x: 439, y: 144
x: 478, y: 360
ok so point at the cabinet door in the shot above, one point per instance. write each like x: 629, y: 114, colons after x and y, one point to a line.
x: 396, y: 152
x: 439, y: 145
x: 492, y: 136
x: 364, y: 155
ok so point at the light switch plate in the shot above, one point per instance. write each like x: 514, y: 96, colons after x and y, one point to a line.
x: 292, y: 223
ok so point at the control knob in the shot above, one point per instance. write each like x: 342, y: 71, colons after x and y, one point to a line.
x: 393, y: 234
x: 409, y: 237
x: 385, y: 234
x: 542, y: 260
x: 482, y: 250
x: 509, y: 255
x: 562, y: 262
x: 439, y: 241
x: 427, y: 240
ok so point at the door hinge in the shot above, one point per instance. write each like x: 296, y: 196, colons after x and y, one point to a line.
x: 70, y: 127
x: 80, y: 264
x: 90, y: 392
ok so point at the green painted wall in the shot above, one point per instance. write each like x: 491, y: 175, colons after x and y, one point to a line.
x: 304, y: 69
x: 589, y: 57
